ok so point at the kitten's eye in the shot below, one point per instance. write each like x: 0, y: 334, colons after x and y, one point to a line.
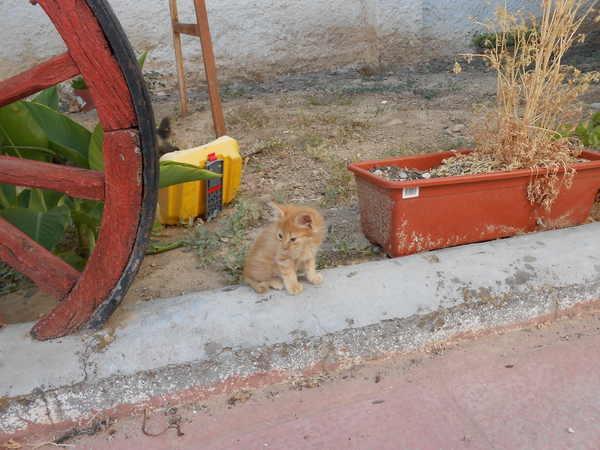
x: 292, y: 239
x: 280, y: 236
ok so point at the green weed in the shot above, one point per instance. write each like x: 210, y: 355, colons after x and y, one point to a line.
x: 224, y: 247
x: 12, y: 280
x: 284, y: 100
x: 273, y: 145
x: 249, y: 120
x: 426, y: 93
x: 303, y: 118
x: 152, y: 80
x: 305, y: 140
x: 228, y: 92
x: 350, y: 248
x: 318, y: 152
x: 327, y: 118
x: 339, y: 181
x: 343, y: 250
x: 278, y: 196
x: 313, y: 100
x: 399, y: 152
x: 353, y: 125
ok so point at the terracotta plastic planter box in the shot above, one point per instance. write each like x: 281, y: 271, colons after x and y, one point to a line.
x: 406, y: 217
x: 84, y: 98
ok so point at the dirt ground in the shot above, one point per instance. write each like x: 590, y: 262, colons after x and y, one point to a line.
x: 297, y: 133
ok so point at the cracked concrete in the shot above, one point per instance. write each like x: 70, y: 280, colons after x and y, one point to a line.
x: 205, y: 343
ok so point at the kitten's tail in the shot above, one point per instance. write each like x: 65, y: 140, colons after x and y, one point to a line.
x: 164, y: 129
x: 259, y: 286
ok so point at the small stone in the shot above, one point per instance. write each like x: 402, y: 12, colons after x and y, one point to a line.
x: 426, y: 175
x: 458, y: 128
x: 571, y: 430
x: 595, y: 106
x: 74, y: 107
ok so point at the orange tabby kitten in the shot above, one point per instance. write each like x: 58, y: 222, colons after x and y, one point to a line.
x: 292, y: 239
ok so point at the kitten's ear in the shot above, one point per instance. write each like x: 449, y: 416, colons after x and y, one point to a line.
x: 277, y: 210
x: 304, y: 220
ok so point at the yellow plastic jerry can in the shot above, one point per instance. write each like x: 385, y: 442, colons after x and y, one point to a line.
x: 180, y: 202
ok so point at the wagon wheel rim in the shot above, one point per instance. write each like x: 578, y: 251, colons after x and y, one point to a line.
x: 98, y: 49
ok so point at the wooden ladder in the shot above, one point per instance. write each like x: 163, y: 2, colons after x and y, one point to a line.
x: 199, y: 29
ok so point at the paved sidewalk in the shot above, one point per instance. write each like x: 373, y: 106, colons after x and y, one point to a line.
x: 196, y: 347
x: 537, y: 389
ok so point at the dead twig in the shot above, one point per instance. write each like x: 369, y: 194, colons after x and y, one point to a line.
x: 96, y: 427
x: 240, y: 397
x: 310, y: 381
x: 11, y: 444
x: 41, y: 444
x: 174, y: 424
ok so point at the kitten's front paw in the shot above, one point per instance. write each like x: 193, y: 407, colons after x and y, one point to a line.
x: 315, y: 278
x: 295, y: 289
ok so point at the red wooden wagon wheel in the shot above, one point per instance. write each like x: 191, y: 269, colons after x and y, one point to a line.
x: 98, y: 50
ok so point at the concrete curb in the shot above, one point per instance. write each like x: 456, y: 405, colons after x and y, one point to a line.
x: 202, y: 344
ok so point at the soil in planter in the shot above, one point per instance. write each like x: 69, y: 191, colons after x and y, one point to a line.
x: 470, y: 164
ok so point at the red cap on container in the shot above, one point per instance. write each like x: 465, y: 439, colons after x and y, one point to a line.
x: 212, y: 157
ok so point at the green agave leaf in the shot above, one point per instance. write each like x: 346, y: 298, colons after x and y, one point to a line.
x: 142, y: 59
x: 8, y: 196
x: 95, y: 152
x: 37, y: 201
x: 66, y: 136
x: 71, y: 155
x: 50, y: 199
x: 75, y: 261
x: 48, y: 97
x: 24, y: 198
x: 161, y: 247
x: 93, y: 207
x: 176, y: 163
x: 50, y: 154
x: 177, y: 173
x: 53, y: 198
x: 66, y: 200
x: 45, y: 228
x: 19, y: 128
x: 86, y: 219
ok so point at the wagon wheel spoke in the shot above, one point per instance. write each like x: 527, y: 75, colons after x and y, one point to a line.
x: 40, y: 77
x: 98, y: 50
x: 80, y: 183
x: 44, y: 268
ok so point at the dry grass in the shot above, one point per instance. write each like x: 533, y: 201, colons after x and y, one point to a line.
x: 536, y: 93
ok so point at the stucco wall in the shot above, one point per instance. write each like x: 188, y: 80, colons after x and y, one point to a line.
x: 262, y: 38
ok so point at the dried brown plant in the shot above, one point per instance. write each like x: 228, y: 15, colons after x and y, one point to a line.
x: 536, y: 93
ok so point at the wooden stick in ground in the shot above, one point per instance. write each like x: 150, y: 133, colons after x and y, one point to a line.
x: 210, y: 68
x: 178, y: 57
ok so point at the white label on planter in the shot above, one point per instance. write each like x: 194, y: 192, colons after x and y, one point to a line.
x: 410, y: 192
